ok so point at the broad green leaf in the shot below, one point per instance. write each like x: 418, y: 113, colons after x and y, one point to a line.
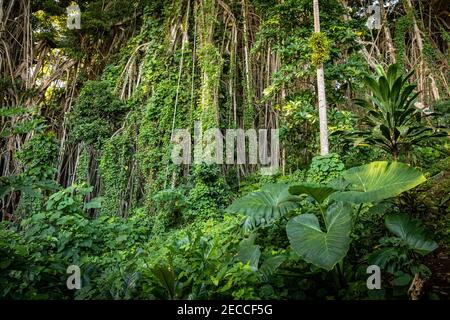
x: 384, y: 257
x: 316, y: 191
x: 411, y: 232
x: 264, y: 206
x: 121, y: 238
x: 250, y: 254
x: 270, y: 265
x: 248, y: 241
x: 5, y: 263
x: 167, y: 279
x: 47, y: 185
x: 402, y: 279
x: 323, y: 249
x: 377, y: 181
x: 95, y: 203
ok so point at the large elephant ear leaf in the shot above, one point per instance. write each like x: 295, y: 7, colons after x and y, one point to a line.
x: 263, y: 207
x: 322, y: 249
x: 250, y: 254
x: 316, y: 191
x: 377, y: 181
x: 411, y: 232
x: 270, y: 265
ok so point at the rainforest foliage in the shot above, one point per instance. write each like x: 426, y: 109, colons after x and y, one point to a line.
x: 88, y: 116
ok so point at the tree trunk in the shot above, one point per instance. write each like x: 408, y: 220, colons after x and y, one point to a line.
x: 321, y: 91
x: 423, y: 68
x: 387, y: 34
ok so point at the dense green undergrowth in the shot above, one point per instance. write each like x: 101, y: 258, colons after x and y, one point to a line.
x: 171, y: 256
x: 95, y: 186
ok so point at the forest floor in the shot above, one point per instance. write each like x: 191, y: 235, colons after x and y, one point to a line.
x: 439, y: 264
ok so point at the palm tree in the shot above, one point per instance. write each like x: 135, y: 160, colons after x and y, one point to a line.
x: 321, y: 91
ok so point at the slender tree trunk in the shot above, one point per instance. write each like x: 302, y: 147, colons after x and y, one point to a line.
x: 321, y: 91
x: 387, y: 34
x: 423, y: 72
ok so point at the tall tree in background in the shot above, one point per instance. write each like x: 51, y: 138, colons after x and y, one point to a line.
x: 321, y: 90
